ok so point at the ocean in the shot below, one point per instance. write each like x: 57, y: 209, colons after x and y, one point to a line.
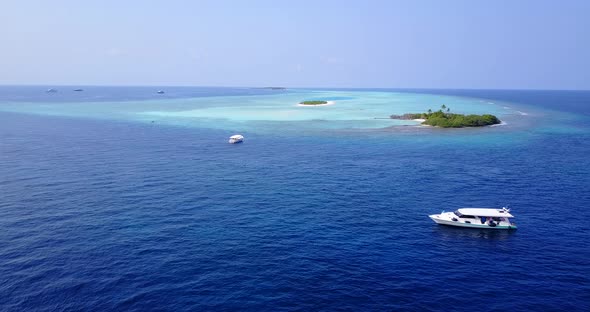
x: 118, y: 198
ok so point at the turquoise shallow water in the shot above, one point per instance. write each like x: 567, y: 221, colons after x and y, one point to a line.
x: 103, y: 210
x: 274, y: 112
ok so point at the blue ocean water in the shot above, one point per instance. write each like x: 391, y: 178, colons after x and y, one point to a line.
x: 105, y: 211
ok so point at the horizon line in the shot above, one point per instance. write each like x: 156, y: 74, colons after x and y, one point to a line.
x: 286, y: 87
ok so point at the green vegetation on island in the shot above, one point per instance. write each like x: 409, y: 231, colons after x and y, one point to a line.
x: 314, y: 102
x: 445, y: 119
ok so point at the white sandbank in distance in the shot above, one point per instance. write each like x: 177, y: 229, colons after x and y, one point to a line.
x: 420, y: 120
x: 502, y: 123
x: 329, y: 103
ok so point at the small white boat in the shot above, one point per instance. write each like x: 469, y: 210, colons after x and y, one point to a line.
x: 481, y: 218
x: 51, y: 90
x: 237, y: 138
x: 160, y: 92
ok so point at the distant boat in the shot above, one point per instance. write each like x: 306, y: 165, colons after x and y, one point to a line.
x: 481, y: 218
x: 78, y: 90
x: 51, y: 90
x: 160, y: 92
x: 237, y: 138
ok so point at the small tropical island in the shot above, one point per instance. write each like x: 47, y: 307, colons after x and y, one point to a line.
x: 445, y: 119
x: 315, y: 103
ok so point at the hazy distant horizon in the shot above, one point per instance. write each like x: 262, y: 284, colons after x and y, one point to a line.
x: 287, y: 87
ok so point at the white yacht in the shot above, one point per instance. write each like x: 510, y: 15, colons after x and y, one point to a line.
x: 237, y: 138
x: 481, y: 218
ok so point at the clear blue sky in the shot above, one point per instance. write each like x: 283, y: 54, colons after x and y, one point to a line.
x: 431, y: 44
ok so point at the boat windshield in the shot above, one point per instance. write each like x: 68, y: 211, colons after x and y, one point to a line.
x: 460, y: 215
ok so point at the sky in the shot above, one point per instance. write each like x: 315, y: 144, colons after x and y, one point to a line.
x: 481, y: 44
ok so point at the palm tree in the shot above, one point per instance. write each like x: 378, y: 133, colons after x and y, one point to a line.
x: 448, y: 109
x: 429, y: 111
x: 443, y: 106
